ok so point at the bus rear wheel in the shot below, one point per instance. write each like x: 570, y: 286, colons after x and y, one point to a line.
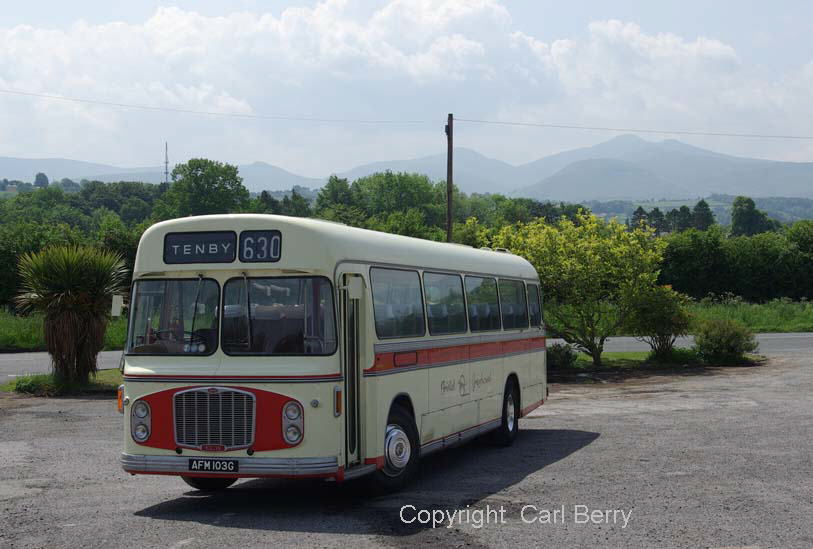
x: 209, y: 484
x: 506, y: 433
x: 401, y: 449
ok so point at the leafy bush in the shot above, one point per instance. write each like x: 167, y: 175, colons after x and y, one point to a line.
x: 676, y: 356
x: 658, y: 317
x: 561, y: 356
x: 721, y: 340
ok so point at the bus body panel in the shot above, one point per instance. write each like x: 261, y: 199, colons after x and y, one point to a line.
x: 453, y: 383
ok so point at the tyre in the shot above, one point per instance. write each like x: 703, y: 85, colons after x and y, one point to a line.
x: 506, y: 433
x: 401, y: 453
x: 209, y: 484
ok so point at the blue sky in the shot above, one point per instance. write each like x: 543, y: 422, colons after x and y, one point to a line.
x: 722, y: 66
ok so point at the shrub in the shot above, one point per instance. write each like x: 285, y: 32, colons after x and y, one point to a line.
x: 676, y: 356
x: 658, y: 317
x: 721, y: 340
x: 71, y: 287
x: 561, y: 356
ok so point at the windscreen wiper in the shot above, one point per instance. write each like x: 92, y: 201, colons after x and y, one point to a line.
x: 248, y: 310
x: 195, y: 310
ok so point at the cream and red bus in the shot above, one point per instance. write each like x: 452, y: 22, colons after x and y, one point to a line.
x: 271, y: 346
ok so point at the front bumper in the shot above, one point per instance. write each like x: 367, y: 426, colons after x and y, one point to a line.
x: 248, y: 466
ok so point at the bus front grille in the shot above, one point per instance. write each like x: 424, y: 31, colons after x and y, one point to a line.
x: 214, y: 418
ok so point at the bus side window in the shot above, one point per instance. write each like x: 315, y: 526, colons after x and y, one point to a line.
x: 397, y: 303
x: 514, y: 305
x: 445, y: 307
x: 534, y: 305
x: 484, y: 306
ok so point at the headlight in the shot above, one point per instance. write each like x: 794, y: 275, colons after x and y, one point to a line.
x: 140, y: 421
x: 293, y: 434
x: 293, y: 422
x: 292, y: 411
x: 141, y: 410
x: 141, y: 432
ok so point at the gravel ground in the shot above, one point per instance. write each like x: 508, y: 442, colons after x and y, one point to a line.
x: 720, y: 459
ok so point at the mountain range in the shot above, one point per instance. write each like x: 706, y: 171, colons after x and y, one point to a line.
x: 625, y: 167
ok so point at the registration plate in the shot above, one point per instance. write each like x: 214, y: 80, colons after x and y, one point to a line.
x: 208, y: 465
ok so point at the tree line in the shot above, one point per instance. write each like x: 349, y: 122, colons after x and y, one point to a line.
x: 755, y: 258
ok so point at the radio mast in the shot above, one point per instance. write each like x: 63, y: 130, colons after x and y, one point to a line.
x: 166, y: 162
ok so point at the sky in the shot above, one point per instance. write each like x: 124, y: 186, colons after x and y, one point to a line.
x: 723, y: 66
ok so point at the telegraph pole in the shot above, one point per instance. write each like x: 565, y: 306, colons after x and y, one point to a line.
x: 449, y: 169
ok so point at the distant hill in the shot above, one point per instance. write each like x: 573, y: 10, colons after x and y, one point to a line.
x: 665, y: 169
x: 623, y: 168
x: 24, y: 169
x: 258, y: 176
x: 473, y: 172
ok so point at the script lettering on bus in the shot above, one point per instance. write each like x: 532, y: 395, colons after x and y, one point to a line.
x: 448, y: 386
x: 480, y: 380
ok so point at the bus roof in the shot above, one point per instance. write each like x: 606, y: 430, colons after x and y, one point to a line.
x: 317, y: 245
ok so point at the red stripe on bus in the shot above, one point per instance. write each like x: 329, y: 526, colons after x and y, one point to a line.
x: 377, y: 461
x: 455, y: 353
x: 326, y: 376
x: 528, y: 409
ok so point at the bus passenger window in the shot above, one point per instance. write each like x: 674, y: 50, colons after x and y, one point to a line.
x: 397, y: 303
x: 534, y: 305
x: 484, y: 307
x: 445, y: 309
x: 514, y: 307
x: 278, y: 316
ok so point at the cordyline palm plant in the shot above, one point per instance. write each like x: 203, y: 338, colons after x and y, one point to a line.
x: 72, y: 287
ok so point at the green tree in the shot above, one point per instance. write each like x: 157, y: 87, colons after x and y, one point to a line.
x: 134, y: 210
x: 658, y: 317
x: 336, y: 192
x: 200, y: 187
x: 72, y: 288
x: 747, y: 220
x: 702, y: 216
x: 40, y: 180
x: 694, y: 263
x: 679, y: 220
x: 801, y: 234
x: 20, y: 237
x: 295, y: 205
x: 591, y: 273
x: 657, y: 221
x: 266, y: 203
x: 639, y: 217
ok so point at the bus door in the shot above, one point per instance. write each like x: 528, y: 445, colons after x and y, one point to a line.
x: 351, y: 297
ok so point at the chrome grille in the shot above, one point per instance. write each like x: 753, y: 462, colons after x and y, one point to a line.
x: 214, y: 416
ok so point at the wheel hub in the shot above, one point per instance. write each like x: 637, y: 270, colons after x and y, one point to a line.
x: 510, y: 414
x: 397, y: 448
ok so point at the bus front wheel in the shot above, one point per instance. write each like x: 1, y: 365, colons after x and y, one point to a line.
x: 401, y: 449
x: 209, y: 484
x: 506, y: 433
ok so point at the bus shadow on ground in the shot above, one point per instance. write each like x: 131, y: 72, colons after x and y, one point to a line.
x: 450, y: 480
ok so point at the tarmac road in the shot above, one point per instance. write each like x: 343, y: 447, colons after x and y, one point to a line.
x: 16, y: 364
x: 716, y: 458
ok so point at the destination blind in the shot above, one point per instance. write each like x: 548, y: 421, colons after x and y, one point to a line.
x: 200, y: 247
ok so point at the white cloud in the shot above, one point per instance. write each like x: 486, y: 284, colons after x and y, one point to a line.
x: 409, y: 59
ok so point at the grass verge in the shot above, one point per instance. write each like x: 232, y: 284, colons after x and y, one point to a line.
x: 622, y: 365
x: 24, y: 333
x: 779, y: 315
x: 105, y: 382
